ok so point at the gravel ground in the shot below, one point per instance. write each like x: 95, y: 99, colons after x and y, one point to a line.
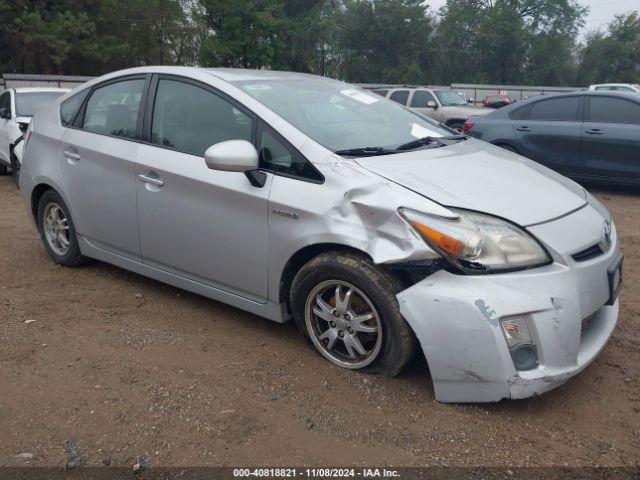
x: 103, y: 367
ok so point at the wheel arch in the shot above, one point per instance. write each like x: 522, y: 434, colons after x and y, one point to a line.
x: 300, y: 258
x: 36, y: 194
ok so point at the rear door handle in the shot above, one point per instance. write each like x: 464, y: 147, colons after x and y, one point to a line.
x: 594, y: 131
x: 71, y: 155
x: 523, y: 128
x: 152, y: 180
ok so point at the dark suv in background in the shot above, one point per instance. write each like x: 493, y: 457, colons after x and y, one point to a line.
x: 585, y: 135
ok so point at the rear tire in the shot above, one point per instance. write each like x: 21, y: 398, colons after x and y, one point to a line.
x: 57, y: 230
x: 3, y: 169
x: 347, y: 308
x: 458, y: 127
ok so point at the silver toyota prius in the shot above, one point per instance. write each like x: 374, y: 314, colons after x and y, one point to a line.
x: 377, y: 230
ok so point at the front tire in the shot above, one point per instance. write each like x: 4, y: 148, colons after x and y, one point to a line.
x: 347, y: 309
x: 57, y: 230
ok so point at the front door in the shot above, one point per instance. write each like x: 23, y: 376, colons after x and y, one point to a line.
x: 611, y: 138
x: 97, y: 163
x: 419, y: 101
x: 206, y: 225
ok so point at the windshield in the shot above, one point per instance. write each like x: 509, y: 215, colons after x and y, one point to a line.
x: 28, y: 103
x: 449, y: 99
x: 340, y: 116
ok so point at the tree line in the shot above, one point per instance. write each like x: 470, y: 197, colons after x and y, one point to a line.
x: 529, y: 42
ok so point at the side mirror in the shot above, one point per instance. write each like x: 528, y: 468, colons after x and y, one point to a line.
x: 236, y: 156
x: 232, y: 156
x: 4, y: 113
x: 431, y: 104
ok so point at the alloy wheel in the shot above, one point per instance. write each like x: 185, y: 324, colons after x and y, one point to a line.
x: 56, y: 229
x: 343, y: 324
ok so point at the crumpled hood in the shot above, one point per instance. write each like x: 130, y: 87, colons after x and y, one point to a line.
x: 478, y: 176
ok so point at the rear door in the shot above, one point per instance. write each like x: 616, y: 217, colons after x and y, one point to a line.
x: 611, y: 138
x: 206, y: 225
x: 548, y: 131
x: 97, y: 156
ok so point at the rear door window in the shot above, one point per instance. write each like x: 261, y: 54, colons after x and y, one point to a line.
x: 114, y: 109
x: 563, y: 109
x: 613, y: 110
x: 400, y: 96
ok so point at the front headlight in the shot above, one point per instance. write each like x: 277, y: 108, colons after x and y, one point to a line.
x: 478, y: 243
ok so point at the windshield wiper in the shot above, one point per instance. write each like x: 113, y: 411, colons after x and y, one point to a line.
x: 365, y: 151
x: 421, y: 142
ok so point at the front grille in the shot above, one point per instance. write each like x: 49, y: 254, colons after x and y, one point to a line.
x: 588, y: 253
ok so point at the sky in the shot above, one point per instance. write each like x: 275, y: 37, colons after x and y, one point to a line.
x: 601, y: 12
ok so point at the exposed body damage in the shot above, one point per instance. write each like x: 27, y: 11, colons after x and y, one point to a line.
x: 456, y: 319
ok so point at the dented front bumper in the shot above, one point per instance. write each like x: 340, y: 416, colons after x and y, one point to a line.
x: 456, y: 318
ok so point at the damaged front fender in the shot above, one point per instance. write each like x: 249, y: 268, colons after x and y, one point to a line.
x: 363, y: 217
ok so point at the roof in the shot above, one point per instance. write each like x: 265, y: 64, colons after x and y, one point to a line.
x: 242, y: 74
x: 613, y: 85
x: 40, y: 89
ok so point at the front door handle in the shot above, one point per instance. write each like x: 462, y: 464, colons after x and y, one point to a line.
x: 152, y: 180
x: 594, y: 131
x: 71, y: 155
x: 523, y: 128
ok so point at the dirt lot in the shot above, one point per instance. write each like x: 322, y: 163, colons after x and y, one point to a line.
x: 129, y: 367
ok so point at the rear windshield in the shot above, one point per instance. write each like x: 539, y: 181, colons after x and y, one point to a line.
x: 340, y: 116
x: 28, y: 103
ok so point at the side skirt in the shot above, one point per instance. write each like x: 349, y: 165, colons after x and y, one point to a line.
x: 270, y: 310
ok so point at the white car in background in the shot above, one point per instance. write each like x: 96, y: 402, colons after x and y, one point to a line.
x: 17, y: 106
x: 618, y: 87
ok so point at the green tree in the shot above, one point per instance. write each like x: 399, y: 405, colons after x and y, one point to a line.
x: 507, y: 41
x: 244, y: 33
x: 385, y: 41
x: 614, y: 56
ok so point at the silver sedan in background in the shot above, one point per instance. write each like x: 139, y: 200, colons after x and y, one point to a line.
x: 377, y: 230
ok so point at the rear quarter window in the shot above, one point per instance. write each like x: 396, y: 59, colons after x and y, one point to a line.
x: 69, y: 108
x: 521, y: 113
